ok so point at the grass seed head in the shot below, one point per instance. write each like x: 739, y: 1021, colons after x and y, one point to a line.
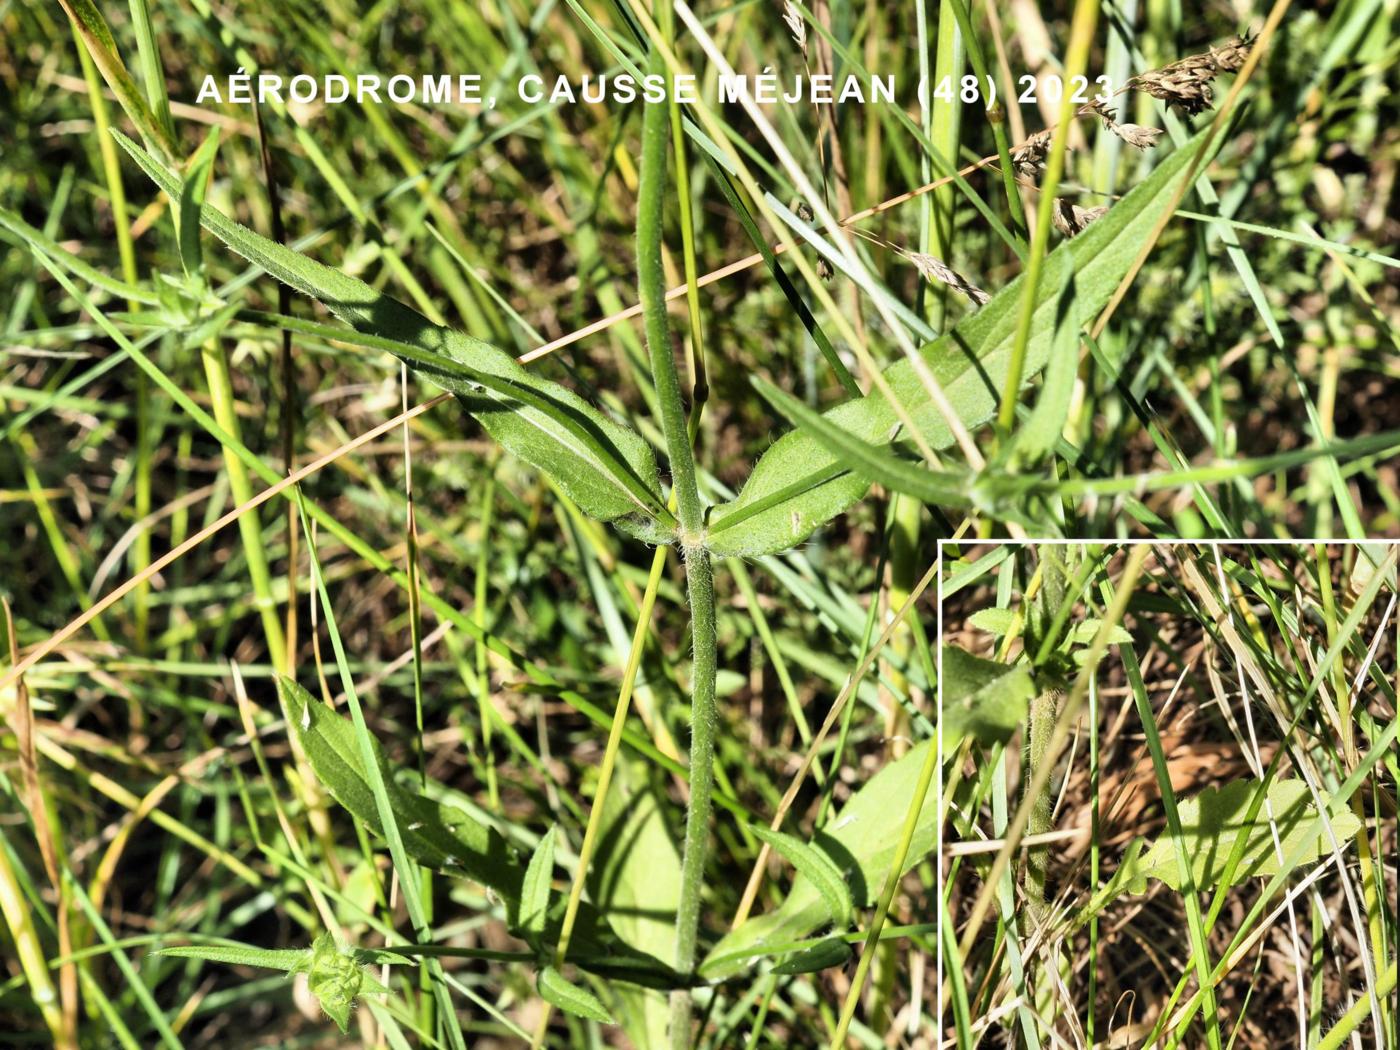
x: 1099, y: 108
x: 1184, y: 84
x: 939, y: 272
x: 1029, y: 156
x: 793, y: 17
x: 1071, y: 219
x: 1137, y: 135
x: 1230, y: 58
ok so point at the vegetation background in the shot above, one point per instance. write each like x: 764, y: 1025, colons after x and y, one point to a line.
x: 154, y: 793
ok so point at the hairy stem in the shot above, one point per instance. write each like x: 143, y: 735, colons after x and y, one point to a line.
x: 699, y: 577
x: 651, y: 286
x: 699, y: 572
x: 1045, y: 709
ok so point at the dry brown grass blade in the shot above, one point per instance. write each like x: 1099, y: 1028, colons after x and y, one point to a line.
x: 22, y: 724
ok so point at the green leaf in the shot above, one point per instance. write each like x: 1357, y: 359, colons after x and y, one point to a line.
x: 981, y: 698
x: 861, y: 841
x: 335, y: 975
x: 602, y: 465
x: 534, y: 893
x: 871, y: 462
x: 192, y: 202
x: 97, y: 38
x: 999, y: 622
x: 799, y: 484
x: 435, y: 835
x: 50, y: 249
x: 1040, y: 433
x: 555, y: 988
x: 448, y: 839
x: 817, y: 867
x: 831, y: 952
x: 1213, y: 826
x: 635, y: 880
x: 1084, y: 633
x: 284, y: 959
x: 1371, y: 558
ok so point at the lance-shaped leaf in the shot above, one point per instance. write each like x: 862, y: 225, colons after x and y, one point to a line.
x: 448, y: 839
x: 436, y: 835
x: 1039, y: 433
x: 821, y: 956
x: 1000, y: 622
x: 288, y: 960
x: 873, y: 462
x: 534, y: 893
x: 1216, y: 830
x: 555, y: 988
x: 21, y: 232
x: 1085, y: 631
x: 799, y: 483
x: 192, y: 201
x: 336, y: 976
x: 602, y: 465
x: 981, y: 698
x: 92, y: 30
x: 817, y: 867
x: 861, y: 841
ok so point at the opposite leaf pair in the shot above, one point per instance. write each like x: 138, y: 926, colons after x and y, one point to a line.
x: 805, y: 478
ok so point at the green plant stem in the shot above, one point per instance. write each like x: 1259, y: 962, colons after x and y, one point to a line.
x: 699, y: 373
x: 699, y: 572
x: 1045, y: 709
x: 699, y: 577
x: 1086, y: 15
x: 1370, y: 884
x: 1016, y: 830
x: 651, y: 283
x: 335, y: 528
x: 126, y: 253
x: 1359, y: 1011
x: 29, y: 949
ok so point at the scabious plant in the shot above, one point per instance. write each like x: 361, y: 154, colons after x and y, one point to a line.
x: 817, y: 471
x: 901, y: 435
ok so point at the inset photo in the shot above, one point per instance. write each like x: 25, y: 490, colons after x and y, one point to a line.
x: 1168, y: 795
